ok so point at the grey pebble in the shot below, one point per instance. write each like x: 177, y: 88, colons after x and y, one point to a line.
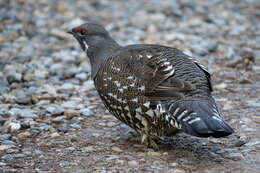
x: 10, y: 151
x: 86, y: 112
x: 58, y: 119
x: 2, y: 119
x: 25, y: 124
x: 39, y: 152
x: 75, y: 126
x: 55, y: 110
x: 67, y: 86
x: 7, y: 157
x: 63, y: 129
x: 3, y: 164
x: 69, y: 104
x: 27, y: 113
x: 8, y: 142
x: 252, y: 103
x: 22, y: 97
x: 236, y: 156
x: 19, y: 155
x: 82, y: 76
x: 14, y: 111
x: 5, y: 136
x: 14, y: 77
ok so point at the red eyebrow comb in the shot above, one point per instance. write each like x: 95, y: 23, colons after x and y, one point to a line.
x: 81, y: 29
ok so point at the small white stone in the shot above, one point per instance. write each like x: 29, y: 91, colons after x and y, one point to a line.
x: 5, y: 147
x: 13, y: 126
x: 133, y: 163
x: 116, y: 149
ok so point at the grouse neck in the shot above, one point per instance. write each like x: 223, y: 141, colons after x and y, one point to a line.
x: 98, y: 54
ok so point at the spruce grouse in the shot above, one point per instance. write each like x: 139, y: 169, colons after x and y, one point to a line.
x: 154, y: 89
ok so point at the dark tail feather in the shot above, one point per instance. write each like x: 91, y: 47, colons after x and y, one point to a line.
x: 200, y: 118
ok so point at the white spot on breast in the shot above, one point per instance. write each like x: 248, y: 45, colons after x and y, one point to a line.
x: 109, y: 78
x: 150, y: 113
x: 138, y: 116
x: 139, y: 109
x: 134, y: 100
x: 125, y: 87
x: 105, y: 85
x: 140, y: 56
x: 147, y: 104
x: 194, y: 120
x: 127, y: 108
x: 119, y: 99
x: 128, y: 114
x: 112, y: 95
x: 120, y: 90
x: 142, y: 88
x: 130, y: 77
x: 149, y: 56
x: 117, y: 83
x: 144, y: 122
x: 132, y: 85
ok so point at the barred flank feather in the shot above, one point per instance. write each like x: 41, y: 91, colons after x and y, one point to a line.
x: 200, y: 118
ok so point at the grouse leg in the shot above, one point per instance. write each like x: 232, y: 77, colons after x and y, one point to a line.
x: 149, y: 142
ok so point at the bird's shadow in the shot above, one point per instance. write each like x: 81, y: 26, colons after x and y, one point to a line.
x: 183, y: 146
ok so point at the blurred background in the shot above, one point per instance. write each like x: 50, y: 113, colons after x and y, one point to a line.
x: 46, y: 94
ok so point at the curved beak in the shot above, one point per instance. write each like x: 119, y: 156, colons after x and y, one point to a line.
x: 80, y: 40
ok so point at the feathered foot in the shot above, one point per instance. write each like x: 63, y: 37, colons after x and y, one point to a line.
x: 149, y: 142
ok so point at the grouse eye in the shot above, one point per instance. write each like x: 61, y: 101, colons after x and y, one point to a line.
x: 82, y: 32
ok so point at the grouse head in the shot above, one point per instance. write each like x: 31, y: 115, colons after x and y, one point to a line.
x: 90, y: 34
x: 97, y: 41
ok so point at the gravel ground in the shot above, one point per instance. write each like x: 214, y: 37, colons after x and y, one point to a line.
x: 53, y: 121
